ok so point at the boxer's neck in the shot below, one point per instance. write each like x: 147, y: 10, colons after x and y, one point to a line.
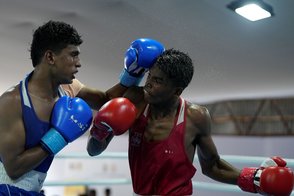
x: 168, y: 109
x: 41, y: 85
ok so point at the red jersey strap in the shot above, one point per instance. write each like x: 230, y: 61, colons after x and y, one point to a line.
x: 246, y: 178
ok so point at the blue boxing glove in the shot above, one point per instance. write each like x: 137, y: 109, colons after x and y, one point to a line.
x: 139, y: 57
x: 71, y: 118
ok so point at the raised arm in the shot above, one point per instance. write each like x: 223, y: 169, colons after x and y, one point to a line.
x: 139, y: 57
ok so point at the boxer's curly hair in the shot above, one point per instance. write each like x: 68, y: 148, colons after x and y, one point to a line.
x: 177, y: 65
x: 55, y: 36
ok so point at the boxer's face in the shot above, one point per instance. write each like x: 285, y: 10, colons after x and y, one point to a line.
x: 66, y: 64
x: 158, y: 87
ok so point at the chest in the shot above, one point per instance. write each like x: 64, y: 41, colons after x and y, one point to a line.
x: 159, y: 129
x: 42, y: 108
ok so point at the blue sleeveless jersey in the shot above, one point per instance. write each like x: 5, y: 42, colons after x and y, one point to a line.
x: 34, y: 127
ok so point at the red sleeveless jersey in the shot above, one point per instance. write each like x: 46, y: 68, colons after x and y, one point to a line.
x: 160, y: 167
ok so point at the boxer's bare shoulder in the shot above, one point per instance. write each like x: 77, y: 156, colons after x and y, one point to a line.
x: 199, y: 116
x: 10, y: 103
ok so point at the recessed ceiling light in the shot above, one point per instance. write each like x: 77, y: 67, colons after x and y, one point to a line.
x: 252, y: 10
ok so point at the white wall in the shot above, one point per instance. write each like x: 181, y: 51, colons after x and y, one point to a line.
x: 106, y: 169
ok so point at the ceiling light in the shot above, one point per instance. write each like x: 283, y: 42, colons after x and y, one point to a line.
x: 252, y: 10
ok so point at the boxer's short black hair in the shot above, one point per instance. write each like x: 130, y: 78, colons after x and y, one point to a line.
x: 177, y: 65
x: 55, y: 36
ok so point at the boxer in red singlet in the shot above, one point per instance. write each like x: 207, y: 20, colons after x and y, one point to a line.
x: 169, y: 130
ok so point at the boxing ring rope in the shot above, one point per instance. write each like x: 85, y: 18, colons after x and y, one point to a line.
x: 124, y: 181
x: 124, y: 155
x: 127, y: 181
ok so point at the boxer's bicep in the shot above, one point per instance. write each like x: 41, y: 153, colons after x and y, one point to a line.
x: 12, y: 134
x: 206, y: 149
x: 94, y: 98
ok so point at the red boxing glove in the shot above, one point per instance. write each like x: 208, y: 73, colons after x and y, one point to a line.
x: 276, y: 181
x: 272, y: 178
x: 114, y: 117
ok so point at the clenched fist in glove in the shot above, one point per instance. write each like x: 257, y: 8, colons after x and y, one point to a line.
x: 114, y: 117
x: 139, y: 57
x: 71, y: 118
x: 271, y: 178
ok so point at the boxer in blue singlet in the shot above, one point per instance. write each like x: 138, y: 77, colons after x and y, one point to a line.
x: 26, y: 148
x: 32, y: 180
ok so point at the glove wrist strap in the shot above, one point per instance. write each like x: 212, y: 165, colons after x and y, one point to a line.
x: 246, y: 178
x: 126, y: 79
x: 53, y: 141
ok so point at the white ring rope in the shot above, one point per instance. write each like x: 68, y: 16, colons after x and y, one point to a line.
x: 124, y: 155
x: 116, y: 181
x: 126, y: 181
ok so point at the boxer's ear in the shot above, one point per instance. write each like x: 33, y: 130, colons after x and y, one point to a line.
x: 49, y: 57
